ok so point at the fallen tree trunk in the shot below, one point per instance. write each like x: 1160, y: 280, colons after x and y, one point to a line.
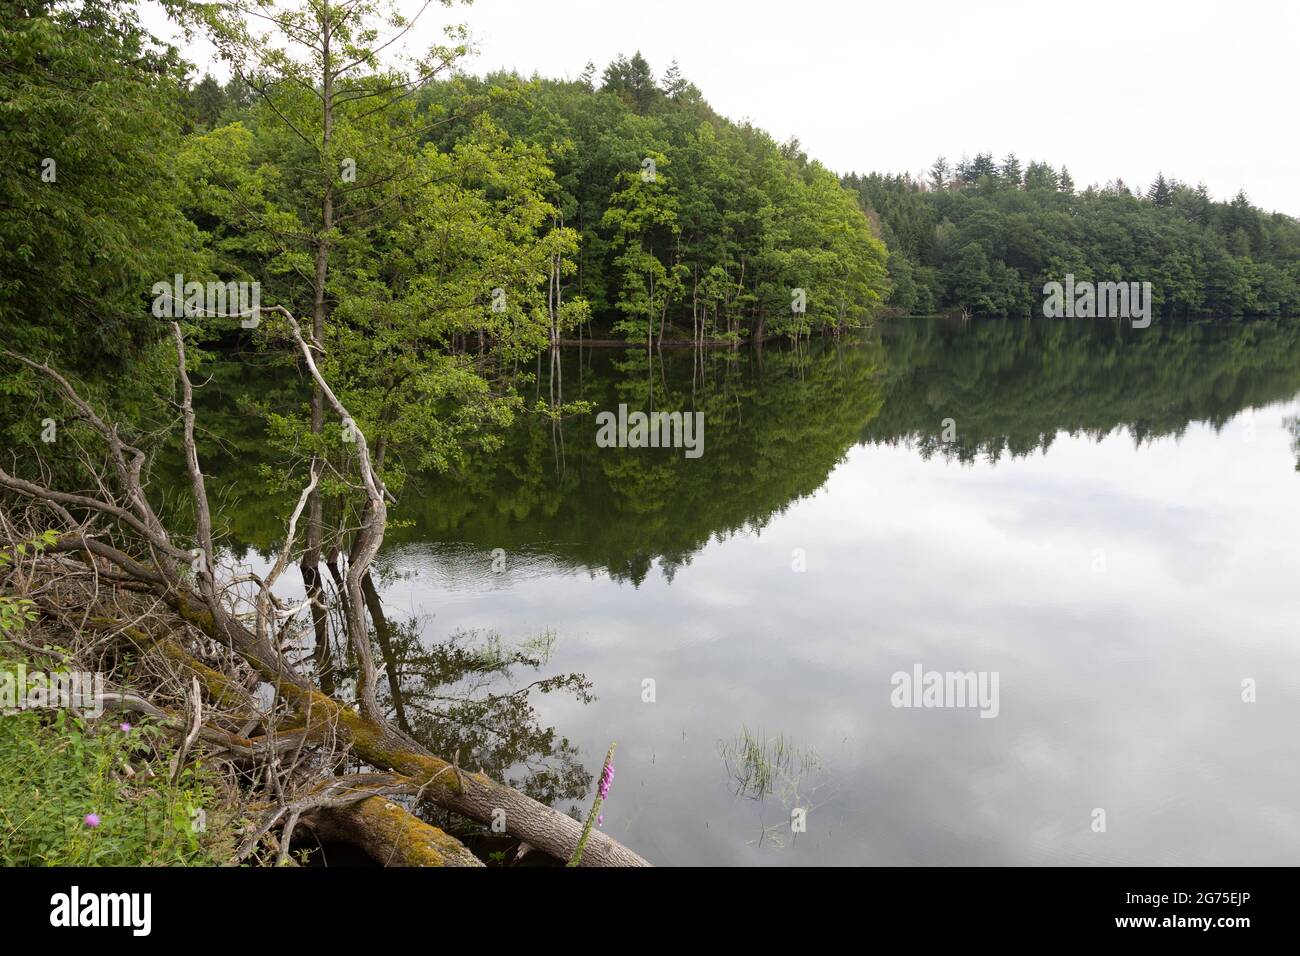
x: 389, y: 835
x: 198, y: 601
x: 381, y: 745
x: 473, y: 795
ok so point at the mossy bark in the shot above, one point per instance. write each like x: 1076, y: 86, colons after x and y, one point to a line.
x: 390, y: 835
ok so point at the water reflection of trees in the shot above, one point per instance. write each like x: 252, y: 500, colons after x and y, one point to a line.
x: 471, y: 695
x: 1011, y: 386
x: 777, y: 421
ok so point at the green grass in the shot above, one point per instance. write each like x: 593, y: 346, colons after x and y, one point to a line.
x: 55, y: 768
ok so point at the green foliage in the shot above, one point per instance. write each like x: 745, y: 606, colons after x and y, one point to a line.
x: 17, y: 613
x: 691, y: 226
x: 90, y: 196
x: 986, y: 240
x: 406, y: 254
x: 58, y: 768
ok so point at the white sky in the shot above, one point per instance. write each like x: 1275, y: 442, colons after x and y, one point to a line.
x: 1200, y: 90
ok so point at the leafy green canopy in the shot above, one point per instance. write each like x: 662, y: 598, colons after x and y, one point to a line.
x: 690, y: 225
x: 89, y: 213
x: 985, y: 238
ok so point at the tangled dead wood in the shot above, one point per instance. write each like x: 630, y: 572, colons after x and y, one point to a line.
x: 117, y: 578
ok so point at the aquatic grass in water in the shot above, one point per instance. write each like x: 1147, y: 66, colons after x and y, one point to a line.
x: 763, y: 767
x: 759, y: 764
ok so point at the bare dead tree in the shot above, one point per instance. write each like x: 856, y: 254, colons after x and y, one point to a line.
x: 121, y: 538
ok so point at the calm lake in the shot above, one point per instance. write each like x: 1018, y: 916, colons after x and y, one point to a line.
x: 1104, y: 519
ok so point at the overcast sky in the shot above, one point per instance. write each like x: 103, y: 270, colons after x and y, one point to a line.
x: 1201, y: 90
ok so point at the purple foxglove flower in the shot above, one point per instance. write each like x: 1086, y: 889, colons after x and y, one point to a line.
x: 606, y: 779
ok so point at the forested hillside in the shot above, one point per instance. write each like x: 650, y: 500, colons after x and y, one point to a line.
x: 984, y: 237
x: 685, y: 217
x: 687, y: 226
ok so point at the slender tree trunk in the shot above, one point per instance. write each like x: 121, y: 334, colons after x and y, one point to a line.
x: 650, y: 317
x: 384, y: 634
x: 310, y: 564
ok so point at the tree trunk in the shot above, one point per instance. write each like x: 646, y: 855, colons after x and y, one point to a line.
x: 389, y: 835
x: 310, y: 564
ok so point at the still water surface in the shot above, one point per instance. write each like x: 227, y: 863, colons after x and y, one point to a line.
x: 1109, y: 523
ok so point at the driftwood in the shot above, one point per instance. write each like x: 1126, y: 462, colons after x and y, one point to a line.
x: 186, y: 582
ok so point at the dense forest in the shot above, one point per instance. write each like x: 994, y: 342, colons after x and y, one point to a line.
x: 984, y: 237
x: 687, y: 221
x: 687, y: 226
x: 617, y: 204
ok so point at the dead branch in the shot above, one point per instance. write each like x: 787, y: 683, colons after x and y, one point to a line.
x: 206, y: 608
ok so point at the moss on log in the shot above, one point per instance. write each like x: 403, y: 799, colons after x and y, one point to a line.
x: 389, y: 835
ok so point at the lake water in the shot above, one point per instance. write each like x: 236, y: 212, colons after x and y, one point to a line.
x: 1104, y: 519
